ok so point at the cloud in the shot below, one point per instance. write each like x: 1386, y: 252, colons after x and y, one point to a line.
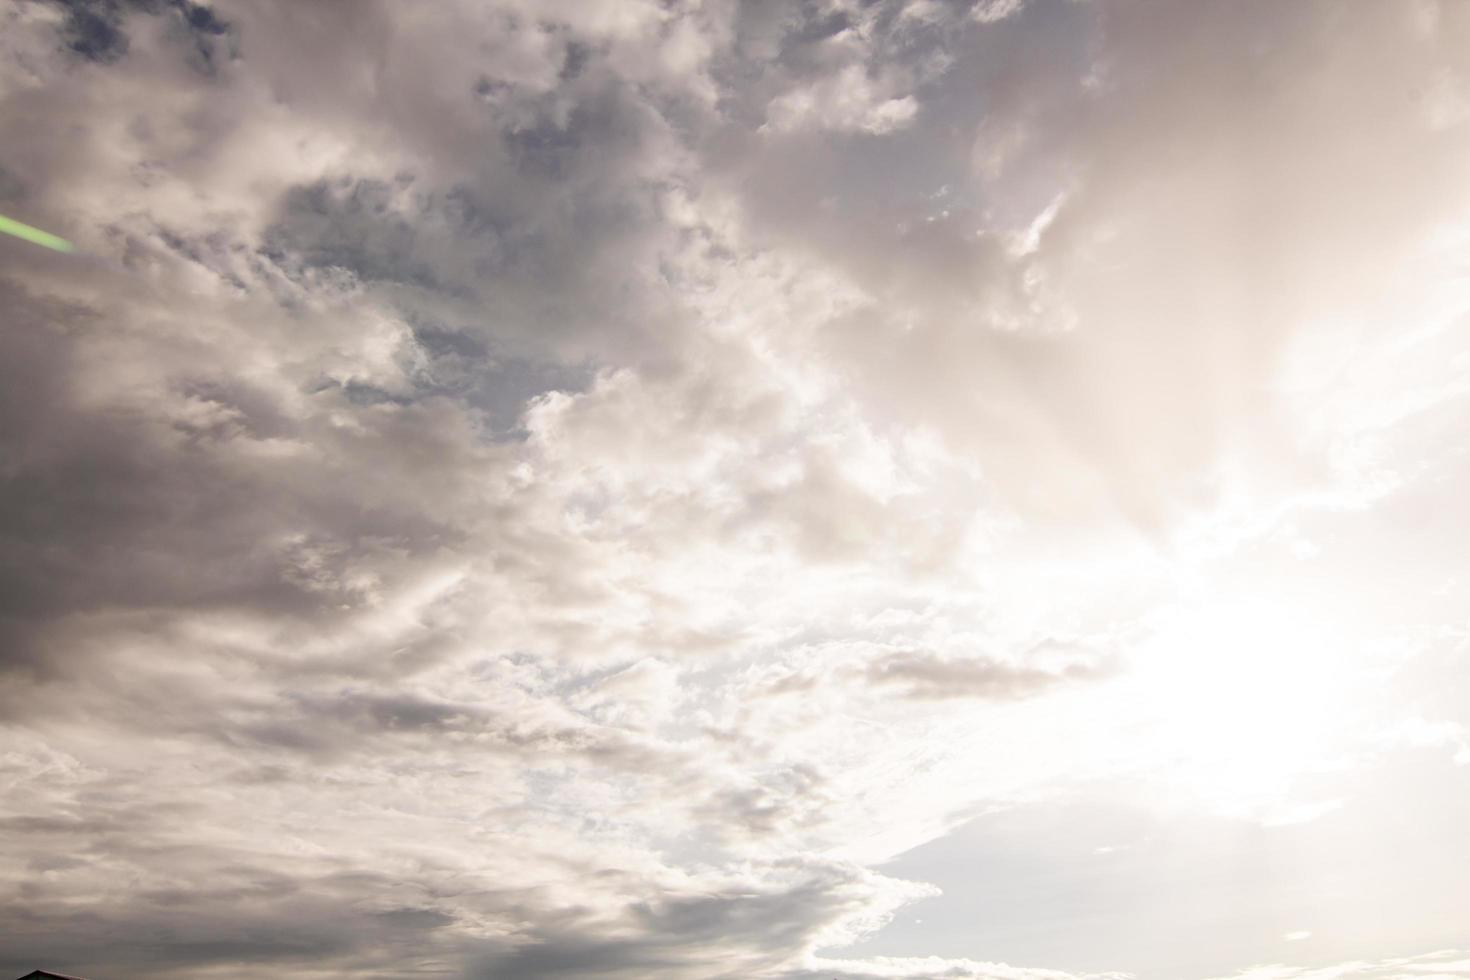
x: 97, y: 29
x: 845, y: 101
x: 937, y: 967
x: 930, y: 677
x: 563, y: 489
x: 1445, y: 963
x: 730, y: 931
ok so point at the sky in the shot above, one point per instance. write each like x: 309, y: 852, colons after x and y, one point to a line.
x: 775, y: 489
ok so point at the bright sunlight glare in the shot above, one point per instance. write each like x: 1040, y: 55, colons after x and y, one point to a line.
x: 1242, y: 698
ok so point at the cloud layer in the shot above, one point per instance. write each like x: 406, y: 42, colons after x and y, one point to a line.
x: 553, y: 489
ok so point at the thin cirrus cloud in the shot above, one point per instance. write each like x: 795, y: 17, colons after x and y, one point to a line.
x: 731, y: 489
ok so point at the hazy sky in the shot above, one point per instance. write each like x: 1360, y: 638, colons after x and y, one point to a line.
x: 709, y: 489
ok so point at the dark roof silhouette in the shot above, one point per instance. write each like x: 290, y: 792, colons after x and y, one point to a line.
x: 48, y: 975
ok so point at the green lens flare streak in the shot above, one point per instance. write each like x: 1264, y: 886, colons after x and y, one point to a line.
x: 35, y: 235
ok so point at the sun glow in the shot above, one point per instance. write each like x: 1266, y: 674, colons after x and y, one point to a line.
x: 1242, y: 698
